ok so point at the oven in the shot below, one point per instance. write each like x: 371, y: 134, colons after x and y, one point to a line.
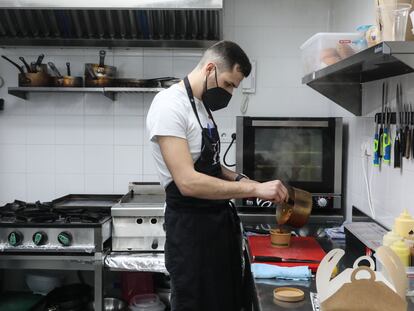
x: 303, y: 152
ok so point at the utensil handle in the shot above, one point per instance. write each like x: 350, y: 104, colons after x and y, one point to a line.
x: 267, y: 259
x: 55, y: 70
x: 397, y: 152
x: 380, y: 145
x: 40, y: 59
x: 68, y: 68
x: 279, y: 259
x: 25, y: 64
x: 102, y: 54
x: 376, y: 160
x: 14, y: 64
x: 386, y: 146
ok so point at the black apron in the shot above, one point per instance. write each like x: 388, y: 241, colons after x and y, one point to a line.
x: 203, y: 250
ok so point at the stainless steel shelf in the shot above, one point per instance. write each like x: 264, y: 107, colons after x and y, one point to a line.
x: 342, y: 82
x: 110, y: 92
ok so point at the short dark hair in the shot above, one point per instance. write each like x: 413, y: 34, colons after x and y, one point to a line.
x: 231, y: 54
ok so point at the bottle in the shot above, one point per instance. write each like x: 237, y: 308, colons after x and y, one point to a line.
x: 390, y: 238
x: 404, y: 224
x: 402, y: 251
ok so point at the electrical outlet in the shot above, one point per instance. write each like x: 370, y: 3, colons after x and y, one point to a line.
x: 225, y: 137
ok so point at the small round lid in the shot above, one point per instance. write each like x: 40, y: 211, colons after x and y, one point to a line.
x: 289, y: 294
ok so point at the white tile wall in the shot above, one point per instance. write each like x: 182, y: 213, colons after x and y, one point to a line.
x: 391, y: 188
x: 54, y: 144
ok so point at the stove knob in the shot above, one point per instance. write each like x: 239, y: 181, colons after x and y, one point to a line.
x: 322, y: 202
x: 65, y: 238
x: 39, y: 238
x: 15, y: 238
x: 154, y: 244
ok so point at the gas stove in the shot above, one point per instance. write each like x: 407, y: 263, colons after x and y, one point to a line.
x: 71, y: 224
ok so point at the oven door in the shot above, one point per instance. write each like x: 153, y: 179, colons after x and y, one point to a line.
x: 301, y: 151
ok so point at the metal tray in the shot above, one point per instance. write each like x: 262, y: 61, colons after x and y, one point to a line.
x: 89, y: 201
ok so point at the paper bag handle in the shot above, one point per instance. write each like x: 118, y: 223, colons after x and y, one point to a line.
x: 355, y: 272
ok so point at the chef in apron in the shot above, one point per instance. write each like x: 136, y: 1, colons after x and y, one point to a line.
x: 203, y: 249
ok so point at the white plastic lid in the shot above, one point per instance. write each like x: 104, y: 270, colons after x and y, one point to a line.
x: 328, y: 34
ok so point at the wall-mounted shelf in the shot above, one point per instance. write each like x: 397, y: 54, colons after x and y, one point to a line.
x: 342, y: 82
x: 110, y: 92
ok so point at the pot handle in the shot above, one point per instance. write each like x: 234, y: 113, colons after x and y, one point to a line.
x: 102, y: 54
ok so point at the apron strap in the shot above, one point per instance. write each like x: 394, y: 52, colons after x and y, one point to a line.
x: 192, y: 101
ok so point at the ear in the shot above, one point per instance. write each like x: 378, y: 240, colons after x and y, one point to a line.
x: 209, y: 68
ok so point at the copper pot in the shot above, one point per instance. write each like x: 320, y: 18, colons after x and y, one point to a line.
x: 96, y: 71
x: 67, y: 81
x: 296, y: 211
x: 34, y: 79
x: 100, y: 82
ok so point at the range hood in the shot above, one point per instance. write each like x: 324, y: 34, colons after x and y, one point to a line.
x: 111, y: 23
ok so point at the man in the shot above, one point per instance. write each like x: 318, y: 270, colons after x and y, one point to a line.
x: 203, y: 238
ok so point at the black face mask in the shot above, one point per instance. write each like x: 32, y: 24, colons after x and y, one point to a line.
x: 215, y: 98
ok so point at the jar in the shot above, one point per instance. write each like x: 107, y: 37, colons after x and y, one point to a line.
x: 402, y: 251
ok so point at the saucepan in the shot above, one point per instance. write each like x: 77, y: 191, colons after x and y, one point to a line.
x: 39, y: 77
x: 65, y: 81
x: 295, y: 212
x: 99, y: 75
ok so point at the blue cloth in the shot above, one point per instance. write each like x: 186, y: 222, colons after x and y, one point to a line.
x: 266, y: 271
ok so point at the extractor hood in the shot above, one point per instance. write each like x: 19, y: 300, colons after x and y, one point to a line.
x: 111, y: 23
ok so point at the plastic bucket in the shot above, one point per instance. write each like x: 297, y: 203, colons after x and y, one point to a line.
x: 393, y: 21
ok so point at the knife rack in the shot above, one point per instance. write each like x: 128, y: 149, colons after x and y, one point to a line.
x: 379, y: 117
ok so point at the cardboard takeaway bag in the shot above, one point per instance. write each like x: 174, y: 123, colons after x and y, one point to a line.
x: 408, y: 34
x: 364, y: 295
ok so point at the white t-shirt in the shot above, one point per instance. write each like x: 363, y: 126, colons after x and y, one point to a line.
x: 171, y: 114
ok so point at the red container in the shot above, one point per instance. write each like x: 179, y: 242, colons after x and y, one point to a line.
x: 136, y: 283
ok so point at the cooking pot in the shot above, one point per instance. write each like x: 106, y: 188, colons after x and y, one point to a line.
x: 295, y: 212
x: 40, y: 78
x: 100, y: 70
x: 65, y: 81
x: 34, y: 79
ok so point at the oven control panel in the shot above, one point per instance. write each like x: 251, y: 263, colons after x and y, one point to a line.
x: 319, y: 201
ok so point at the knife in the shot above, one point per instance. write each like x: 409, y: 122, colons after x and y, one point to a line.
x: 280, y: 259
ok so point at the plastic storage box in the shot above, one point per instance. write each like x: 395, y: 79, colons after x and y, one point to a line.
x: 324, y: 49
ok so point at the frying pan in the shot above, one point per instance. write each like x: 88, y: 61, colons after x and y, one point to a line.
x: 100, y: 70
x: 157, y: 82
x: 64, y: 81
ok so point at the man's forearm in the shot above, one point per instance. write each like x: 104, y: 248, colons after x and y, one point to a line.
x: 206, y: 187
x: 231, y: 176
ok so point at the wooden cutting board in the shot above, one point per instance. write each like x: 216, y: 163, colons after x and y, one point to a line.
x: 300, y: 248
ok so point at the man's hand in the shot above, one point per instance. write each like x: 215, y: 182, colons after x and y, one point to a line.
x: 273, y: 191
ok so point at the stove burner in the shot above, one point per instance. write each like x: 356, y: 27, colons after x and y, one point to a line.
x: 37, y: 213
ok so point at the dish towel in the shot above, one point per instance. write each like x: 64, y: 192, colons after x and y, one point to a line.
x: 337, y: 233
x: 266, y: 271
